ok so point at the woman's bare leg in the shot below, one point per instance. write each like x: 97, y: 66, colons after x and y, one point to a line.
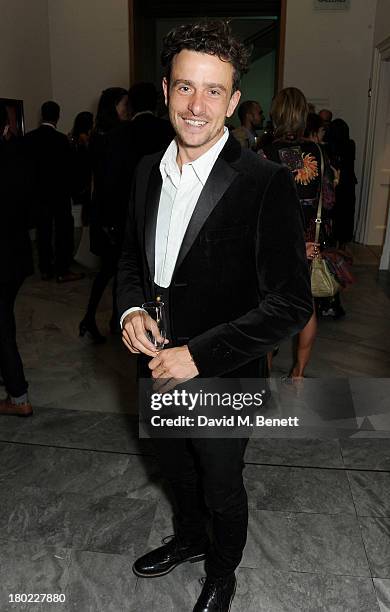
x: 305, y: 344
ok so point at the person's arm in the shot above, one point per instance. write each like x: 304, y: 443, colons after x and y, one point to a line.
x: 127, y: 312
x: 285, y: 303
x: 130, y: 294
x: 130, y: 291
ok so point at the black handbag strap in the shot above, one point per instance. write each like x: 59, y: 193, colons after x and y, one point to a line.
x: 319, y: 209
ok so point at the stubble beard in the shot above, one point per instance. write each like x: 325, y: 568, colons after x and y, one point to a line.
x: 181, y: 137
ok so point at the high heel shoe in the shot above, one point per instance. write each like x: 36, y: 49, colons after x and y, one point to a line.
x: 89, y: 327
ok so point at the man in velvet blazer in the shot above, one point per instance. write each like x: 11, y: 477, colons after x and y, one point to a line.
x: 240, y: 283
x: 236, y: 285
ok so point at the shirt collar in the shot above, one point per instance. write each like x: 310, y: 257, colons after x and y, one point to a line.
x: 49, y: 124
x: 202, y: 166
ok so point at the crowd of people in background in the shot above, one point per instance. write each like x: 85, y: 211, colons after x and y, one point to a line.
x: 116, y: 147
x: 333, y: 137
x: 320, y: 155
x: 93, y: 168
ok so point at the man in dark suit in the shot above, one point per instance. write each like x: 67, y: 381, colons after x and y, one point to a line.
x: 50, y: 156
x: 127, y: 144
x: 251, y: 117
x: 217, y: 232
x: 16, y: 263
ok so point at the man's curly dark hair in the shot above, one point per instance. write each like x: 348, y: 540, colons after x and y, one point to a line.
x: 211, y: 37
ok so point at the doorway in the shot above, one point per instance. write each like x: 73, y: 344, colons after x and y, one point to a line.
x: 373, y: 227
x: 260, y: 25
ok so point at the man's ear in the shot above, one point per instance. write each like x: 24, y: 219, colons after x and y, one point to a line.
x: 234, y: 100
x: 165, y: 87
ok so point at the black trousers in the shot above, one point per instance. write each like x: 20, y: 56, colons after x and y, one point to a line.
x: 11, y: 366
x: 57, y: 215
x: 205, y: 477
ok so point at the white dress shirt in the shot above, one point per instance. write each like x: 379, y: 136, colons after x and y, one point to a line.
x: 179, y: 195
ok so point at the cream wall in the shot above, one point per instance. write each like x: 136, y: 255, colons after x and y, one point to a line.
x: 89, y: 51
x: 66, y: 50
x: 25, y: 55
x: 328, y: 55
x: 382, y: 32
x: 382, y: 21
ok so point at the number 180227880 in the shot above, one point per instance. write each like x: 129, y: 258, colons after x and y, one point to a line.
x: 36, y: 597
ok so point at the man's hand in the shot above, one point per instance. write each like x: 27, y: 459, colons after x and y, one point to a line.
x: 134, y: 333
x: 171, y: 366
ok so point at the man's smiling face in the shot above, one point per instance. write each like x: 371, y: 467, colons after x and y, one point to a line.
x: 199, y: 97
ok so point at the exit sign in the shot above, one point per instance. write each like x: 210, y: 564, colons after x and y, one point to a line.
x: 332, y: 5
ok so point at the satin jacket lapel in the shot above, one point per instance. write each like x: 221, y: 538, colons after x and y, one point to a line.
x: 152, y: 202
x: 219, y: 180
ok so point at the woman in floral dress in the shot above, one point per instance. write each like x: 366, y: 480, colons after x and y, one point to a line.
x: 302, y: 156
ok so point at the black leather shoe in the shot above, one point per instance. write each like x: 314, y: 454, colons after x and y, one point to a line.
x: 217, y: 595
x: 164, y: 559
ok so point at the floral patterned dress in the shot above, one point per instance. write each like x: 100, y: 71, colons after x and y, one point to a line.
x: 303, y: 159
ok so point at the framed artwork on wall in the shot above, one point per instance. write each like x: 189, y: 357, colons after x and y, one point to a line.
x: 15, y: 115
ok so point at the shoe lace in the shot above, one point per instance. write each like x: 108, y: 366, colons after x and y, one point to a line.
x: 167, y: 539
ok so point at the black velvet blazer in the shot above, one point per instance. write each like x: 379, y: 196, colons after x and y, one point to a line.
x: 241, y: 281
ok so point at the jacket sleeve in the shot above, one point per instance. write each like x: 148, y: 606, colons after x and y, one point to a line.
x: 130, y: 272
x: 285, y: 301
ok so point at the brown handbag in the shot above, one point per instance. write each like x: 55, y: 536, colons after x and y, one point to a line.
x: 323, y: 282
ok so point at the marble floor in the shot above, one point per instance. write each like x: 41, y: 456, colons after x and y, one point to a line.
x: 81, y: 495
